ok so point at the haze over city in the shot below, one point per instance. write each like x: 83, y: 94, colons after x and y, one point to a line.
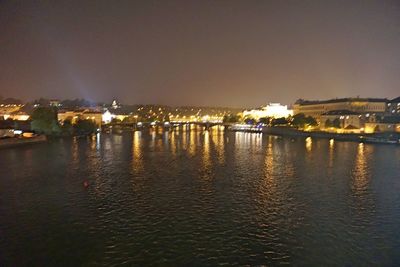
x: 204, y: 53
x: 199, y: 133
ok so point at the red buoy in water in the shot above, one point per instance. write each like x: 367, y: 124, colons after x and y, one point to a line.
x: 86, y: 184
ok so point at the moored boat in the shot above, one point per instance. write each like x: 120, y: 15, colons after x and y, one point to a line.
x: 380, y: 140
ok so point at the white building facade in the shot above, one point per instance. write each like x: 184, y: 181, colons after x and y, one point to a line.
x: 272, y: 110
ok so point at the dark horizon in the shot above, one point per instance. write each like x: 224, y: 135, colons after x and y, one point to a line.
x: 184, y: 105
x: 188, y: 53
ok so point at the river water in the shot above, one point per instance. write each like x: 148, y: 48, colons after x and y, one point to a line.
x: 190, y: 197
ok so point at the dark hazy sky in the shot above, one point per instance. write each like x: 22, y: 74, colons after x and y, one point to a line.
x: 226, y: 53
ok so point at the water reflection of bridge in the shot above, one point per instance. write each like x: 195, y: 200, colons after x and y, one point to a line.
x: 206, y: 125
x: 165, y: 125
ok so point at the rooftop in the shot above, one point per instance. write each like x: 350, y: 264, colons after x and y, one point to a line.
x: 395, y: 100
x: 339, y: 100
x: 80, y: 110
x: 341, y: 112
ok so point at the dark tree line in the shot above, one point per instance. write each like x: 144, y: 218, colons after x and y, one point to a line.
x: 301, y: 120
x: 335, y: 123
x: 10, y: 100
x: 231, y: 118
x: 44, y: 121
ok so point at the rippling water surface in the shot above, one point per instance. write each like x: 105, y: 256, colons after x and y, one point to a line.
x: 192, y: 197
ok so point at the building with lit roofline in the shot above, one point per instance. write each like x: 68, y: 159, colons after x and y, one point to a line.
x: 272, y: 110
x: 393, y: 107
x: 372, y: 106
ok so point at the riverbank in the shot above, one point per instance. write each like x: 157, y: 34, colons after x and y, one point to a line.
x: 18, y: 141
x: 388, y: 138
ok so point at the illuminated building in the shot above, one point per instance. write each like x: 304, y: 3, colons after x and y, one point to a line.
x: 9, y: 108
x: 360, y: 105
x: 382, y: 127
x: 389, y: 123
x: 54, y: 103
x: 212, y: 118
x: 347, y: 119
x: 115, y: 105
x: 121, y: 117
x: 276, y: 110
x: 107, y: 117
x: 9, y: 111
x: 19, y: 116
x: 272, y: 110
x: 6, y: 130
x: 393, y: 106
x: 82, y: 114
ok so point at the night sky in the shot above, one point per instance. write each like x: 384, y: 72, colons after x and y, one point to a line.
x: 213, y: 53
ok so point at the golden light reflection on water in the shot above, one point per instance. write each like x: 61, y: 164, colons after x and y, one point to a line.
x: 256, y: 141
x: 206, y: 171
x: 269, y: 167
x: 360, y: 170
x: 116, y: 146
x: 166, y: 137
x: 185, y: 128
x: 107, y: 144
x: 93, y: 140
x: 238, y: 137
x: 331, y: 150
x: 331, y: 143
x: 206, y: 151
x: 278, y: 159
x: 75, y: 152
x: 308, y: 144
x: 184, y: 140
x: 219, y: 143
x: 160, y: 130
x: 94, y: 152
x: 137, y: 153
x: 156, y: 141
x: 153, y: 137
x: 242, y: 139
x: 159, y: 143
x: 94, y: 163
x: 173, y: 142
x: 192, y: 141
